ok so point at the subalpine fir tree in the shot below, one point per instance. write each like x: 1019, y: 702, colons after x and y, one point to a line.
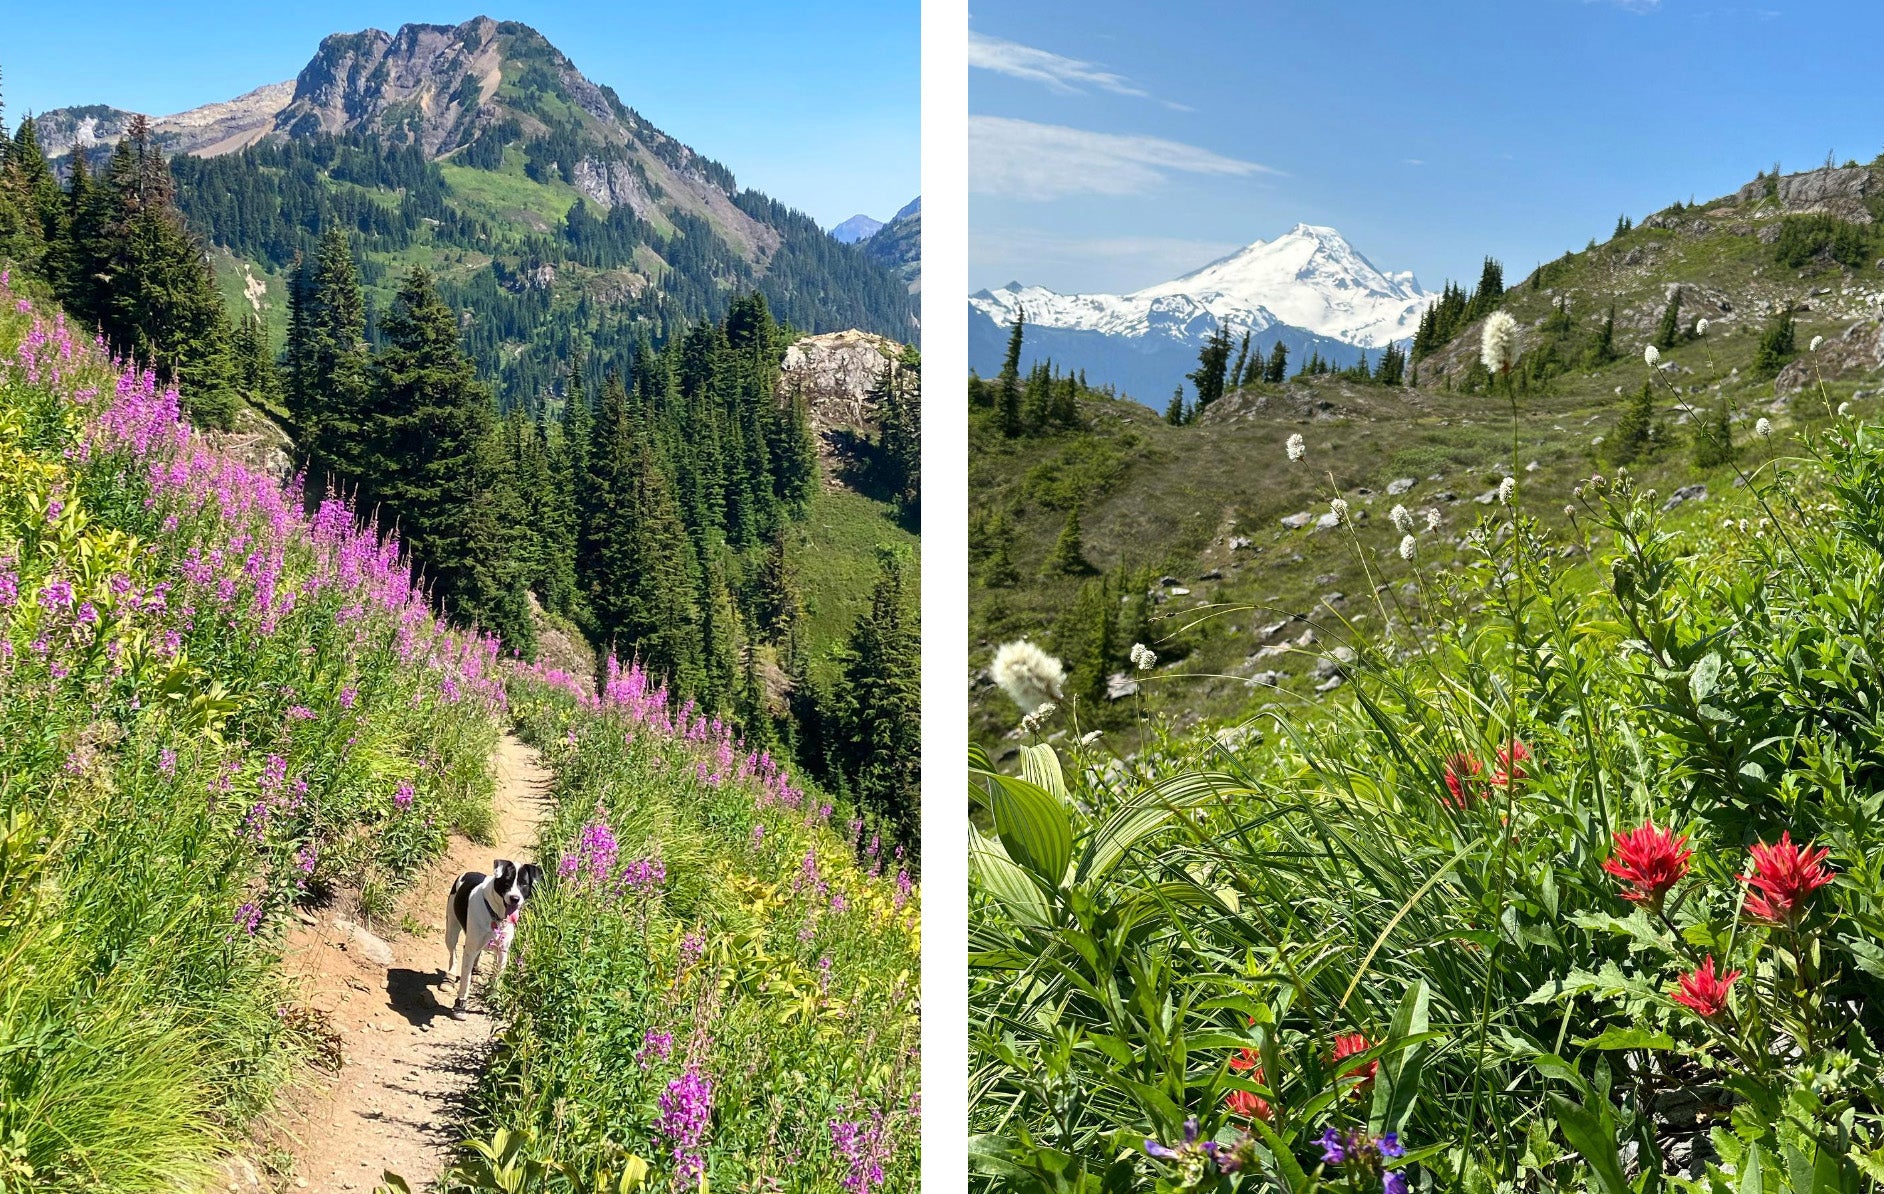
x: 1212, y: 360
x: 428, y: 418
x: 1714, y: 437
x: 1235, y: 379
x: 879, y: 702
x: 1278, y: 369
x: 1490, y: 291
x: 1777, y: 344
x: 1008, y: 403
x: 41, y: 203
x: 1670, y: 329
x: 900, y: 439
x: 1635, y: 430
x: 1603, y: 349
x: 999, y: 572
x: 329, y: 371
x: 1175, y: 412
x: 1069, y: 551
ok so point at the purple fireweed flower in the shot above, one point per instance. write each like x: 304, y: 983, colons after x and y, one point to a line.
x: 56, y: 595
x: 758, y: 834
x: 402, y: 797
x: 656, y: 1046
x: 903, y: 888
x: 862, y: 1144
x: 300, y: 713
x: 347, y: 696
x: 248, y: 918
x: 686, y: 1106
x: 596, y: 850
x: 167, y: 761
x: 304, y: 858
x: 9, y: 589
x: 691, y: 947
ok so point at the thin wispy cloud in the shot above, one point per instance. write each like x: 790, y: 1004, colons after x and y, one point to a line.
x: 1020, y: 159
x: 1055, y: 72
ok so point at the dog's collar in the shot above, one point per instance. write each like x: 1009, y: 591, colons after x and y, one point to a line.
x: 497, y: 910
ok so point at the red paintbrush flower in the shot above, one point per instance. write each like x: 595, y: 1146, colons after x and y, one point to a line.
x: 1248, y: 1103
x: 1649, y: 861
x: 1463, y: 779
x: 1512, y: 758
x: 1785, y: 876
x: 1347, y: 1044
x: 1703, y: 992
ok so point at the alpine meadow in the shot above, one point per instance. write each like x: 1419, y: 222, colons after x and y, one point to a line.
x: 1428, y: 742
x: 413, y: 475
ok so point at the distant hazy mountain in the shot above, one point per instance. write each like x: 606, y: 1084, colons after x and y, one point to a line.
x: 1308, y: 288
x: 858, y: 227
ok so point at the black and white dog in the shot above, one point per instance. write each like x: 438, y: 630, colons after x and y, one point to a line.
x: 483, y: 909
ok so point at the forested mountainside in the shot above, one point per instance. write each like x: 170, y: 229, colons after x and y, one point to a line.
x: 655, y: 494
x: 559, y: 218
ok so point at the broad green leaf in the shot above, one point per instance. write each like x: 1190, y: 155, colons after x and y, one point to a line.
x: 1593, y: 1134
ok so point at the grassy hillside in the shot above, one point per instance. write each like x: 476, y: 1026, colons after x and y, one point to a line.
x: 212, y: 707
x: 1161, y: 501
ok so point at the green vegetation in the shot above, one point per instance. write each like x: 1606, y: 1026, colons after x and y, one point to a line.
x: 1575, y: 891
x: 715, y: 988
x: 212, y: 706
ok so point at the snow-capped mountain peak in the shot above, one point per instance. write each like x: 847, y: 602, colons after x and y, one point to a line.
x: 1312, y: 278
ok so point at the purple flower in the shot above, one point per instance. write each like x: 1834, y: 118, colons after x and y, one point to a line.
x: 9, y: 589
x: 300, y: 713
x: 402, y: 797
x: 1332, y: 1150
x: 248, y: 918
x: 56, y: 595
x: 691, y: 947
x: 1390, y: 1146
x: 656, y: 1045
x: 686, y: 1106
x: 863, y: 1147
x: 347, y: 696
x: 167, y: 761
x: 1394, y: 1182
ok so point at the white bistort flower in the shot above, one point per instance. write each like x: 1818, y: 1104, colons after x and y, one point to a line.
x: 1298, y: 448
x: 1033, y: 721
x: 1498, y: 346
x: 1652, y: 356
x: 1340, y: 508
x: 1763, y: 428
x: 1700, y: 327
x: 1029, y: 676
x: 1409, y: 547
x: 1507, y: 488
x: 1432, y: 520
x: 1143, y: 657
x: 1402, y: 520
x: 1844, y: 408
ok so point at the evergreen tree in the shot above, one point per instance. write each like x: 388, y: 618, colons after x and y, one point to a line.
x: 900, y: 439
x: 1009, y: 380
x: 331, y: 373
x: 1603, y: 350
x: 879, y: 708
x: 426, y: 424
x: 1714, y: 437
x: 1242, y: 361
x: 1212, y: 359
x: 1174, y: 411
x: 1634, y: 431
x: 1776, y: 345
x: 1069, y: 551
x: 1670, y: 329
x: 999, y: 572
x: 1490, y: 292
x: 1278, y: 369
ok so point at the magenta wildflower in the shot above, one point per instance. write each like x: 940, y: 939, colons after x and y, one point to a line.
x: 686, y: 1107
x: 863, y: 1146
x: 402, y: 796
x: 655, y: 1045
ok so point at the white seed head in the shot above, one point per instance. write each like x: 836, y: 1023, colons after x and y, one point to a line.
x: 1700, y: 327
x: 1029, y: 676
x: 1507, y: 489
x: 1340, y: 508
x: 1498, y: 346
x: 1409, y: 547
x: 1298, y: 448
x: 1652, y: 355
x: 1143, y: 657
x: 1814, y: 346
x: 1090, y: 737
x: 1569, y: 511
x: 1763, y: 428
x: 1402, y: 520
x: 1844, y: 408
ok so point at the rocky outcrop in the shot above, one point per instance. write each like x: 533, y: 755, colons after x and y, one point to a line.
x: 1838, y: 190
x: 834, y: 373
x: 1857, y: 353
x: 614, y: 184
x: 206, y: 131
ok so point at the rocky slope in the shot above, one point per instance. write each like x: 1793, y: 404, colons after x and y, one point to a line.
x: 834, y: 373
x: 898, y: 244
x: 209, y: 130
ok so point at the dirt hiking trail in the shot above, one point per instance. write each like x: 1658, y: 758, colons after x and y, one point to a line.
x: 407, y: 1066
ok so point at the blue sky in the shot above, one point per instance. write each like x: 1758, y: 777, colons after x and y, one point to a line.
x: 1115, y: 144
x: 817, y: 105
